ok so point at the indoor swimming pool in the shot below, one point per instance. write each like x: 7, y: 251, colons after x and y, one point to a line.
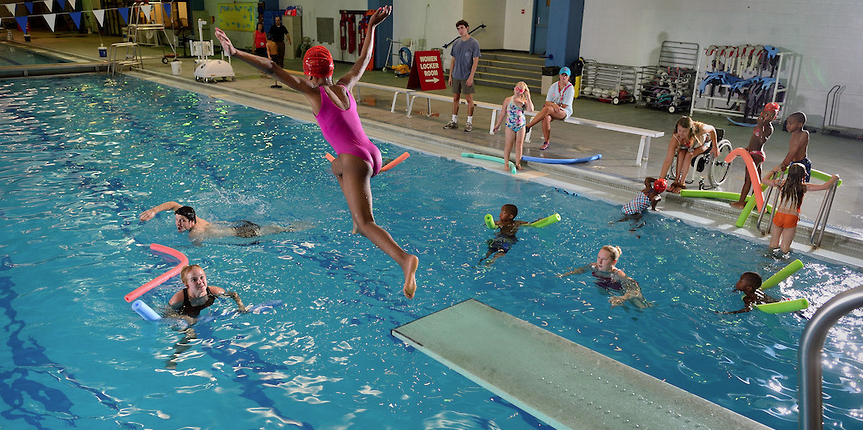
x: 11, y: 55
x: 83, y: 156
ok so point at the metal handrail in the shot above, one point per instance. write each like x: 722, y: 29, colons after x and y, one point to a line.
x: 809, y: 360
x: 764, y: 206
x: 823, y: 213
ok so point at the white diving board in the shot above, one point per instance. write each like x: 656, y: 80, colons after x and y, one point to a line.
x: 558, y: 381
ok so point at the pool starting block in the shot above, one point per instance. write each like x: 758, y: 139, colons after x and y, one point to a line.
x: 556, y: 380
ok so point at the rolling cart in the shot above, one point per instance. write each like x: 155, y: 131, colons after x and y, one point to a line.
x: 669, y: 85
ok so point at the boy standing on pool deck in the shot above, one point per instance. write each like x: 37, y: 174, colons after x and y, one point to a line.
x: 798, y: 145
x: 505, y: 238
x: 464, y: 59
x: 335, y: 111
x: 750, y: 284
x: 763, y: 131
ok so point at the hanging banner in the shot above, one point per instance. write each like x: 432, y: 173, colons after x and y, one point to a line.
x: 168, y: 18
x: 100, y: 16
x: 124, y: 13
x: 146, y: 10
x: 11, y: 8
x: 22, y: 23
x: 427, y: 72
x: 49, y: 4
x: 62, y: 4
x: 76, y: 18
x: 50, y: 19
x: 29, y: 5
x: 72, y: 2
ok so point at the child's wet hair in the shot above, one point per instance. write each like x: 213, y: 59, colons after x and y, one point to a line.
x: 614, y: 250
x: 751, y: 279
x: 186, y: 212
x: 510, y: 209
x: 186, y: 270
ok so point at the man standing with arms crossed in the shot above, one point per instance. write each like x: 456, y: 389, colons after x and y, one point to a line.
x: 462, y: 67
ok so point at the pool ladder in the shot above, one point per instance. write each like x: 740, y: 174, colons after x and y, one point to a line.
x: 811, y: 343
x: 130, y: 55
x: 820, y: 219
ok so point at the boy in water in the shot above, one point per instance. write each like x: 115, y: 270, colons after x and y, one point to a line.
x: 750, y: 285
x: 798, y: 145
x: 763, y: 131
x: 505, y: 238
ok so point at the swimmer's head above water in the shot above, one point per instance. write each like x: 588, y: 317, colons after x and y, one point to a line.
x: 185, y: 218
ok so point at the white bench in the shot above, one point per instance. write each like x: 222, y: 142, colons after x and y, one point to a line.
x: 396, y: 91
x: 429, y: 96
x: 643, y: 146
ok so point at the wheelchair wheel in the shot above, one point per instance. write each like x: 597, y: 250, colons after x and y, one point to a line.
x: 671, y: 175
x: 718, y: 167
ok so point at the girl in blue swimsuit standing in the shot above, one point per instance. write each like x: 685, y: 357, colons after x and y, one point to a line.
x: 513, y: 111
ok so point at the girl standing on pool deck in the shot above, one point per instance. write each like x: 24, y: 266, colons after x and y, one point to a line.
x: 513, y: 111
x: 336, y: 112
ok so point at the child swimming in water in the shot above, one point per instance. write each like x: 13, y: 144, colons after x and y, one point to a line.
x: 750, y: 284
x: 505, y: 238
x: 336, y: 113
x: 198, y: 295
x: 611, y: 278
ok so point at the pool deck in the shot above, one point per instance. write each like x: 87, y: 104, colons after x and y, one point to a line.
x: 615, y: 178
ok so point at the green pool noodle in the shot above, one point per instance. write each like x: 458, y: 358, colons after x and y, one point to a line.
x: 817, y: 174
x: 782, y: 274
x: 489, y: 221
x: 489, y: 158
x: 783, y: 306
x: 549, y: 220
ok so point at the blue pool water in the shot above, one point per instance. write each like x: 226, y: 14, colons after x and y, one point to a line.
x: 83, y: 156
x: 12, y: 55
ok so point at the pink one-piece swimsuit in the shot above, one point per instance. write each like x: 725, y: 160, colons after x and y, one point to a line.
x: 344, y: 131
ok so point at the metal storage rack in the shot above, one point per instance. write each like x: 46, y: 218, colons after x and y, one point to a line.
x: 669, y: 84
x: 612, y: 83
x: 728, y: 76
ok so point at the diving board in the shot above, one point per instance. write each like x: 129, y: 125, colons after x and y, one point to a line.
x: 558, y: 381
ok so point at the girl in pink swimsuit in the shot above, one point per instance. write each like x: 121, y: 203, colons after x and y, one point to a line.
x: 336, y: 112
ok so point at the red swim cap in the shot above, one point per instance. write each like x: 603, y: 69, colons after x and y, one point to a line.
x: 772, y: 106
x: 659, y: 185
x: 318, y: 62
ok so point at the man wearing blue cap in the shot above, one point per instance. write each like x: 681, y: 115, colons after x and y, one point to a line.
x: 558, y: 105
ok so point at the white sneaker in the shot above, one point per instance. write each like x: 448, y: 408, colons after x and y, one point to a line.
x: 468, y: 127
x: 452, y: 124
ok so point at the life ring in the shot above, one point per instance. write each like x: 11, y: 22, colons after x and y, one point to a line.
x: 183, y: 262
x: 343, y: 32
x: 545, y: 222
x: 405, y: 52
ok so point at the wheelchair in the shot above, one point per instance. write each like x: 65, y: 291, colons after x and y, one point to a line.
x: 705, y: 166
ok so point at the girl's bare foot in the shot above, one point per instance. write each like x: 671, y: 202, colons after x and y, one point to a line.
x: 410, y: 276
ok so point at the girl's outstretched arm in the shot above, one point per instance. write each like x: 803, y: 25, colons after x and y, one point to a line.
x: 353, y: 76
x: 266, y: 65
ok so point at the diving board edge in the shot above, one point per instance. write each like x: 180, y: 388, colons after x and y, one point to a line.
x: 556, y: 380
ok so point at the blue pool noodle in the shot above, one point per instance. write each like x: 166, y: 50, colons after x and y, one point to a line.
x: 145, y: 311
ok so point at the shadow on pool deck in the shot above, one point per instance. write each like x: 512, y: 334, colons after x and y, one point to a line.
x: 614, y: 178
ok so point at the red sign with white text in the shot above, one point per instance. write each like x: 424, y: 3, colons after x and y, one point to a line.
x: 427, y: 72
